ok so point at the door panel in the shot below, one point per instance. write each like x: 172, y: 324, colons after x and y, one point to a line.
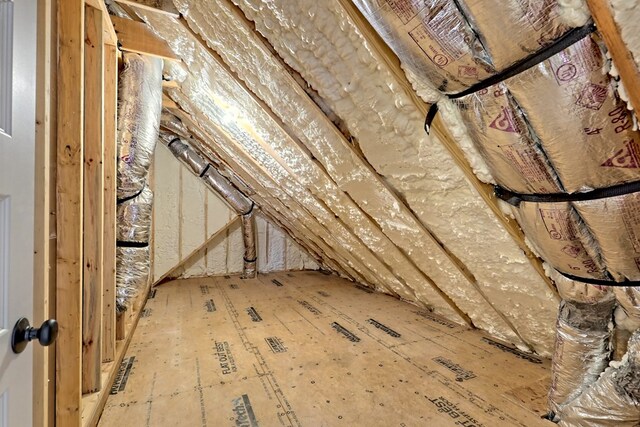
x: 17, y: 171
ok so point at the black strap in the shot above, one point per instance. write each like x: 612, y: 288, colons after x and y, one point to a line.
x: 126, y: 199
x: 177, y: 138
x: 250, y: 260
x: 250, y: 209
x: 570, y: 37
x: 205, y: 170
x: 602, y: 282
x: 123, y: 244
x: 431, y: 114
x: 515, y: 199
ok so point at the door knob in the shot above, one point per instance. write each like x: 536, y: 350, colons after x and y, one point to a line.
x: 23, y: 333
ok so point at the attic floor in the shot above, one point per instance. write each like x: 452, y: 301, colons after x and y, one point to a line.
x: 303, y: 348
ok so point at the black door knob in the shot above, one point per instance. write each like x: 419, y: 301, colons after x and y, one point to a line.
x: 23, y: 333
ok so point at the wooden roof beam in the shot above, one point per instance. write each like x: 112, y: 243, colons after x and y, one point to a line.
x: 109, y: 36
x: 622, y: 58
x: 137, y: 37
x: 167, y: 7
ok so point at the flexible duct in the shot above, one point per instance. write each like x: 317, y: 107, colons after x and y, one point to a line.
x: 132, y: 255
x: 556, y: 127
x: 582, y: 349
x: 221, y: 185
x: 134, y: 218
x: 140, y: 104
x: 614, y: 399
x: 455, y: 44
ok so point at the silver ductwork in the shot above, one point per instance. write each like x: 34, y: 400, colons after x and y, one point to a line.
x: 218, y: 183
x: 140, y: 104
x: 583, y: 348
x: 134, y: 218
x: 614, y: 399
x: 553, y: 125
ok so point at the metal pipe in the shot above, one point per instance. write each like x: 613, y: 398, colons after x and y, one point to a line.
x: 218, y: 183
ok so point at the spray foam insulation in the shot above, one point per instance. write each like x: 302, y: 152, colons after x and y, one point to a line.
x: 309, y: 349
x: 362, y: 222
x: 202, y: 213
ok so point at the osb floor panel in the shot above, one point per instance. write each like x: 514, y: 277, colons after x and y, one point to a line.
x: 306, y: 349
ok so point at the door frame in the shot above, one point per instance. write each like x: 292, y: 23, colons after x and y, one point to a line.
x: 44, y: 210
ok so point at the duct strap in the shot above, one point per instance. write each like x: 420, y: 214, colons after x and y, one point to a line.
x: 250, y: 209
x: 602, y: 282
x: 515, y: 199
x: 122, y: 244
x: 176, y: 139
x: 569, y: 38
x: 204, y: 171
x: 250, y: 260
x: 126, y: 199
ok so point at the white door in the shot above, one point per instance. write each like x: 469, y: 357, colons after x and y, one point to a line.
x: 17, y: 159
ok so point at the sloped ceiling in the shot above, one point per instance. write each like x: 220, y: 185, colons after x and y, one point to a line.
x: 379, y: 201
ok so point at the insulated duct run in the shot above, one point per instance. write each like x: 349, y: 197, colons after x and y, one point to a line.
x: 221, y: 185
x: 544, y: 115
x: 583, y: 347
x: 614, y: 399
x: 140, y: 104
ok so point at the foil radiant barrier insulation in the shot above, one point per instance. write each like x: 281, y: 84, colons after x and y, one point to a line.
x: 132, y: 274
x: 583, y: 127
x: 432, y: 39
x: 628, y: 298
x: 249, y: 237
x: 530, y: 26
x: 580, y: 141
x: 572, y: 290
x: 615, y: 223
x: 437, y: 40
x: 614, y: 399
x: 502, y: 136
x: 583, y: 347
x: 140, y: 104
x: 561, y: 238
x: 134, y: 218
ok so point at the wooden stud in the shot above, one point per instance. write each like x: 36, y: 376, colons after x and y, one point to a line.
x: 165, y: 10
x: 622, y: 58
x: 93, y: 215
x: 198, y: 251
x: 53, y: 163
x: 43, y: 374
x: 120, y: 323
x: 168, y: 103
x: 109, y: 34
x: 93, y: 404
x: 137, y: 37
x: 170, y: 84
x: 110, y: 154
x: 69, y: 186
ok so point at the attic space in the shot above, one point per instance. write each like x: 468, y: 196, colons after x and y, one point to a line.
x: 341, y: 212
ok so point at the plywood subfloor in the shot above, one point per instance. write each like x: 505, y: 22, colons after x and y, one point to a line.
x: 306, y: 349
